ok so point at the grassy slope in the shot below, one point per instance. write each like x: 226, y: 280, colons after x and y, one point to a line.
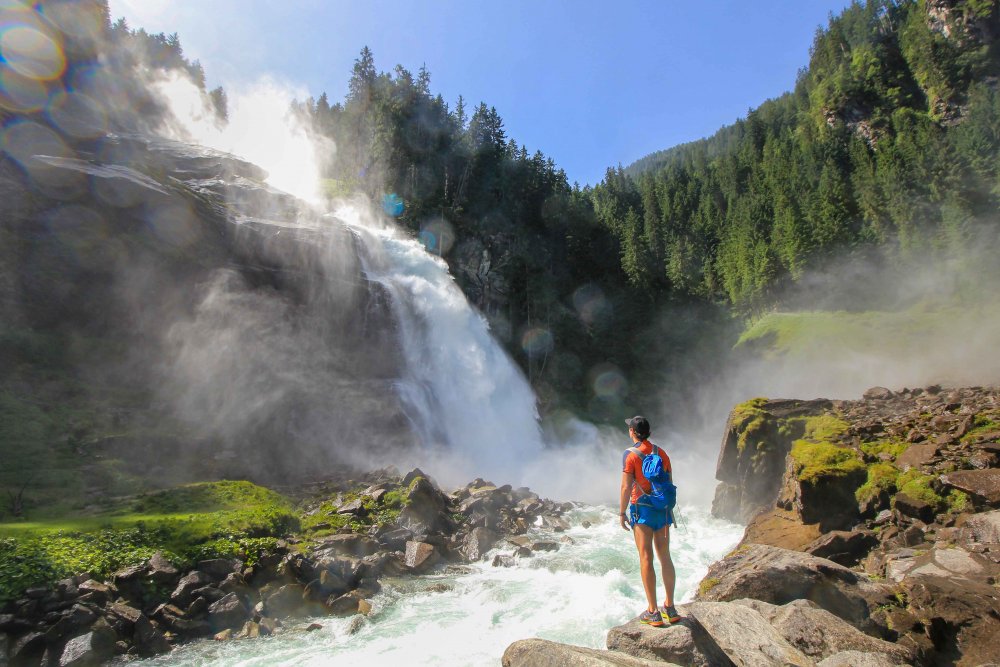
x: 188, y: 523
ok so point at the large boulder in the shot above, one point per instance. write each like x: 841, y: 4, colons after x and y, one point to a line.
x: 746, y: 638
x: 844, y: 547
x: 819, y: 634
x: 752, y: 458
x: 424, y: 511
x: 780, y: 576
x: 685, y: 643
x: 420, y: 556
x: 478, y: 542
x: 984, y: 484
x: 227, y: 612
x: 982, y: 528
x: 542, y: 653
x: 90, y: 649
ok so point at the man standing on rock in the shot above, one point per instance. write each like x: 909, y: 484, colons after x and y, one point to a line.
x: 649, y: 526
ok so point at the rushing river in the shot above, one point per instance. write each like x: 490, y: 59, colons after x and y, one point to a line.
x: 468, y: 615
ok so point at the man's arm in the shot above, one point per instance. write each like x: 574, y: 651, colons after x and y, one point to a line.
x: 628, y: 479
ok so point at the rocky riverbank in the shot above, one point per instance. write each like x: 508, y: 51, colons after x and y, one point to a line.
x: 354, y: 532
x: 873, y: 538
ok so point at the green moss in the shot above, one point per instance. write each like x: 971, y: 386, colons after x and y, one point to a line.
x: 881, y: 477
x: 750, y: 419
x: 889, y: 446
x: 816, y: 460
x: 982, y: 423
x: 707, y: 584
x: 958, y: 501
x: 823, y: 428
x: 917, y: 485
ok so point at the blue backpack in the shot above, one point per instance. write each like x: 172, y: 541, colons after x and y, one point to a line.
x: 662, y: 494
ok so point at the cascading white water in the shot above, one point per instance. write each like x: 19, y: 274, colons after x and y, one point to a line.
x: 467, y: 617
x: 469, y: 403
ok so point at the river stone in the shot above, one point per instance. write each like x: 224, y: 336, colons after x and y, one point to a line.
x: 286, y: 601
x: 478, y: 542
x: 420, y: 556
x: 685, y: 642
x: 90, y: 649
x: 227, y: 612
x: 161, y: 570
x: 779, y: 576
x: 539, y: 652
x: 148, y: 639
x: 982, y: 528
x: 187, y: 585
x: 982, y: 483
x: 351, y: 544
x: 745, y: 636
x: 819, y: 634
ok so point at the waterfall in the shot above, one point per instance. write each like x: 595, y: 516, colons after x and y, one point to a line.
x: 471, y: 407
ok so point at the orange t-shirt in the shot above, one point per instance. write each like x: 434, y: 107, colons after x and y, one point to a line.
x: 633, y: 464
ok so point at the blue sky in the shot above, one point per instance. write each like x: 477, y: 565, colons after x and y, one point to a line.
x: 590, y: 84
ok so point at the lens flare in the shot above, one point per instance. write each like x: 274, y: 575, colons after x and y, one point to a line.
x: 21, y: 94
x: 77, y: 115
x: 392, y: 204
x: 591, y: 304
x: 537, y: 342
x: 607, y: 381
x: 32, y: 53
x: 437, y: 235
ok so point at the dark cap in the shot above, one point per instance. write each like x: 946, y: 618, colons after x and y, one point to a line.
x: 640, y: 425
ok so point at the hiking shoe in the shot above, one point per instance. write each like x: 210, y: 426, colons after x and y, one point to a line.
x: 669, y: 614
x: 651, y: 618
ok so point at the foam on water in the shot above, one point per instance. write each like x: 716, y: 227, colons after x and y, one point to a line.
x: 470, y: 616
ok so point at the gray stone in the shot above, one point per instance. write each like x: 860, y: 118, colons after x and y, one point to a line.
x: 914, y: 508
x: 819, y: 634
x: 859, y: 659
x: 478, y: 542
x: 90, y: 649
x: 745, y: 636
x: 684, y: 643
x: 878, y: 394
x: 148, y: 639
x: 220, y: 568
x: 420, y: 556
x: 779, y: 576
x: 542, y: 653
x: 160, y: 569
x: 843, y: 547
x: 351, y: 544
x: 545, y: 545
x: 982, y: 528
x: 187, y: 585
x: 286, y: 601
x: 916, y: 456
x: 228, y: 612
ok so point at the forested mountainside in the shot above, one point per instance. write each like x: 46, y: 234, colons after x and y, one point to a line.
x: 888, y: 142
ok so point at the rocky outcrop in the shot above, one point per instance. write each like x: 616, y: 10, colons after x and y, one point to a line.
x: 913, y: 551
x: 542, y: 653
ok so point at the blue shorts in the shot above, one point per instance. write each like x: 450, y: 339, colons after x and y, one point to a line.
x: 644, y: 515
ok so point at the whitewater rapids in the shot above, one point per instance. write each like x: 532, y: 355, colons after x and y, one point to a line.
x: 468, y: 615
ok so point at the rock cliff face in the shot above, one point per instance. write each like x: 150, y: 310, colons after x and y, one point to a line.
x: 230, y: 325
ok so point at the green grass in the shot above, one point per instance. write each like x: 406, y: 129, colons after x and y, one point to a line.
x: 893, y: 334
x: 188, y: 523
